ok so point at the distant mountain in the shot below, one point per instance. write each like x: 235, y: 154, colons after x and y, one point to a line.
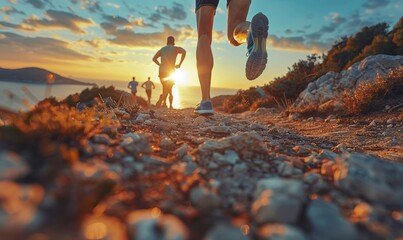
x: 36, y: 75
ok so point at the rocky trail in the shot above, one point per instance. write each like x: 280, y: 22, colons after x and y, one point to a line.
x: 170, y: 174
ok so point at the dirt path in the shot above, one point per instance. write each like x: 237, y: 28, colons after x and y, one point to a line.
x: 379, y: 134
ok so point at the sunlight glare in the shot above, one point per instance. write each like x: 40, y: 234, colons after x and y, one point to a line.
x: 180, y: 77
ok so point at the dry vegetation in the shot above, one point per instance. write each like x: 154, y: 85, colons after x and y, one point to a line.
x: 373, y: 96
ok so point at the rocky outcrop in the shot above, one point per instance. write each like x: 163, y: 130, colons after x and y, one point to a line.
x: 331, y: 85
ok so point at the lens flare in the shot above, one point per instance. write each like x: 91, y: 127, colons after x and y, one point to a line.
x: 180, y: 77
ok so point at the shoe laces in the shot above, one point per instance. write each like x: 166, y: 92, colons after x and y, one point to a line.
x: 250, y: 43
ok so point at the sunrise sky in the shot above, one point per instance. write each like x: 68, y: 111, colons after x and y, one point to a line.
x: 114, y: 40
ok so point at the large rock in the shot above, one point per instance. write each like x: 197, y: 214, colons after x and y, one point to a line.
x: 326, y: 222
x: 331, y: 85
x: 368, y: 176
x: 278, y: 200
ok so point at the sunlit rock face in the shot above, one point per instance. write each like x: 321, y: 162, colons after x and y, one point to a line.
x: 331, y: 85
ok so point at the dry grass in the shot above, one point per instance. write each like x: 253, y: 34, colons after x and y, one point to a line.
x: 284, y: 104
x: 367, y: 96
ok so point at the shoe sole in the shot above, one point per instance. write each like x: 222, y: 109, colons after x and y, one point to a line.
x: 204, y: 112
x: 257, y: 59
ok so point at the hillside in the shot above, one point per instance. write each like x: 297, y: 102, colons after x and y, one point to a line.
x: 35, y: 75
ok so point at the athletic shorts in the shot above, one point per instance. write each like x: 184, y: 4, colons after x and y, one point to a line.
x: 213, y: 3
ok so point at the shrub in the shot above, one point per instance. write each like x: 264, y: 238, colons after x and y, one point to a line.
x: 88, y: 95
x: 368, y: 95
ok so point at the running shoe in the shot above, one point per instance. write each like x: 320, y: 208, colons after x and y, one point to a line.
x: 257, y: 54
x: 204, y: 108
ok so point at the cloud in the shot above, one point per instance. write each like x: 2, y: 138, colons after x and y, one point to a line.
x: 116, y: 20
x: 90, y: 5
x: 105, y: 60
x: 36, y: 3
x: 22, y: 27
x: 15, y: 46
x: 95, y: 43
x: 139, y: 22
x: 128, y: 7
x: 13, y: 1
x: 59, y: 19
x: 127, y: 37
x: 288, y: 31
x: 296, y: 44
x: 113, y: 5
x: 372, y: 5
x: 176, y: 12
x: 40, y: 4
x: 113, y: 22
x: 11, y: 10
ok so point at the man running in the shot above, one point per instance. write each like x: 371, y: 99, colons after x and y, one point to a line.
x: 167, y: 67
x: 148, y: 86
x: 133, y: 87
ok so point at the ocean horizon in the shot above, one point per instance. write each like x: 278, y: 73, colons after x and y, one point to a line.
x: 23, y: 96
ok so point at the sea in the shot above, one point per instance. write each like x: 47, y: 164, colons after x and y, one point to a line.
x: 24, y: 96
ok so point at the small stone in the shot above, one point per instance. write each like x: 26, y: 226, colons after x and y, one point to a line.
x: 278, y: 200
x: 94, y: 226
x: 200, y: 120
x: 311, y: 178
x: 389, y: 121
x: 275, y: 231
x: 285, y: 169
x: 166, y: 142
x: 142, y: 117
x: 372, y: 124
x: 223, y: 231
x: 203, y: 199
x: 393, y: 141
x: 102, y: 139
x: 327, y: 169
x: 220, y: 129
x: 294, y: 116
x: 241, y: 168
x: 152, y: 224
x: 136, y: 143
x: 182, y: 151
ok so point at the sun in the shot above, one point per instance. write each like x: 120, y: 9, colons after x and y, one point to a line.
x: 180, y: 77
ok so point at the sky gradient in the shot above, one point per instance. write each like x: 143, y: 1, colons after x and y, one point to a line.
x: 114, y: 40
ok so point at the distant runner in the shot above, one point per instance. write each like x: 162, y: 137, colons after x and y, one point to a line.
x: 167, y: 67
x: 148, y: 86
x: 133, y: 87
